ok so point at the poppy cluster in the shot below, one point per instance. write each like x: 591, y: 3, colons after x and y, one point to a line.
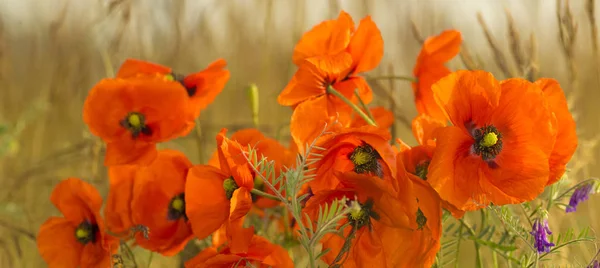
x: 480, y: 141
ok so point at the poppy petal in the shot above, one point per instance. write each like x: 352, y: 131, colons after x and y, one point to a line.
x: 207, y: 207
x: 134, y: 67
x: 327, y: 38
x: 366, y: 46
x: 424, y: 127
x: 77, y: 200
x: 57, y: 244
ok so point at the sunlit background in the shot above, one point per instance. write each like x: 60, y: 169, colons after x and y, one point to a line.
x: 53, y: 52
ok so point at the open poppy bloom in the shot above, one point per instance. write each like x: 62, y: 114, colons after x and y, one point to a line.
x: 566, y: 136
x: 436, y: 51
x: 498, y: 148
x: 77, y: 239
x: 363, y: 150
x: 378, y: 207
x: 202, y: 87
x: 332, y: 54
x: 267, y: 147
x: 152, y: 197
x: 217, y: 196
x: 258, y: 252
x: 132, y: 115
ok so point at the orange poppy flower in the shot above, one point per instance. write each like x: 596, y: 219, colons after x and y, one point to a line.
x: 153, y: 197
x: 499, y: 145
x: 217, y: 196
x: 202, y: 87
x: 331, y: 54
x: 566, y: 136
x: 78, y: 238
x: 142, y: 112
x: 364, y: 150
x: 436, y: 51
x: 379, y: 207
x: 258, y: 253
x: 267, y: 147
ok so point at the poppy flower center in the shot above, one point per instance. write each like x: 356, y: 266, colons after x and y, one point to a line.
x: 179, y: 78
x: 488, y: 142
x: 421, y: 170
x: 229, y: 186
x: 361, y: 214
x: 421, y: 219
x: 136, y: 124
x: 177, y: 207
x: 366, y: 160
x: 86, y: 232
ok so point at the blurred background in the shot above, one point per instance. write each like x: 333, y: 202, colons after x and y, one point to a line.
x: 53, y: 52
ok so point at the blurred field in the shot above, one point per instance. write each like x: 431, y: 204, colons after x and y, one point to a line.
x: 52, y: 52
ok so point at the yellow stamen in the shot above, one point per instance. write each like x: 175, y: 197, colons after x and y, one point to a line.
x: 357, y: 213
x: 489, y: 140
x: 177, y: 204
x: 134, y: 120
x: 81, y: 233
x: 169, y: 77
x: 361, y: 158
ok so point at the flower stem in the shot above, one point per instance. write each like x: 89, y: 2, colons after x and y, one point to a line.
x: 360, y: 112
x: 363, y: 105
x: 393, y: 77
x: 263, y: 194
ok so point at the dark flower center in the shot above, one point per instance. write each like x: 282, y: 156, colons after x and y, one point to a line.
x: 366, y: 160
x: 179, y: 78
x: 136, y: 124
x: 421, y: 219
x: 361, y: 215
x: 229, y: 186
x: 86, y: 232
x: 488, y: 142
x: 421, y: 170
x: 177, y: 208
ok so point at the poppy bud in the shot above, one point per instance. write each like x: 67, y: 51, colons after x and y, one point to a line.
x: 253, y: 98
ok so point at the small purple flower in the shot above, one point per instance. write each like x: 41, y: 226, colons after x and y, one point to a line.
x: 540, y: 233
x: 581, y: 194
x: 595, y: 264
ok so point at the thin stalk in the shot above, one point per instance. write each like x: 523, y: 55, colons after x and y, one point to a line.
x: 362, y: 114
x: 575, y: 187
x: 477, y: 249
x: 393, y: 77
x: 198, y: 137
x: 363, y: 105
x: 265, y: 195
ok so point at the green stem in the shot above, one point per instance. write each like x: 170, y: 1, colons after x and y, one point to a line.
x: 477, y: 249
x: 129, y: 252
x: 362, y: 114
x: 393, y: 77
x: 263, y: 194
x: 363, y: 105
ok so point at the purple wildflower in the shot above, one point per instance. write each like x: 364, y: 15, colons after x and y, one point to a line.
x: 581, y: 194
x: 595, y: 264
x: 540, y: 233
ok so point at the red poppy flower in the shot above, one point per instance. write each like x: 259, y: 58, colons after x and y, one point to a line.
x: 364, y: 150
x: 436, y: 51
x: 202, y: 87
x: 143, y: 112
x: 566, y: 136
x: 153, y: 197
x: 499, y: 146
x: 267, y: 147
x: 380, y: 207
x: 330, y: 55
x: 78, y: 238
x: 217, y: 196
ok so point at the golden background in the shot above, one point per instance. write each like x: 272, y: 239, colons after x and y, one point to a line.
x: 53, y: 52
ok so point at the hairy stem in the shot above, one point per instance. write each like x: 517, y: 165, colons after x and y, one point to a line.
x: 360, y: 112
